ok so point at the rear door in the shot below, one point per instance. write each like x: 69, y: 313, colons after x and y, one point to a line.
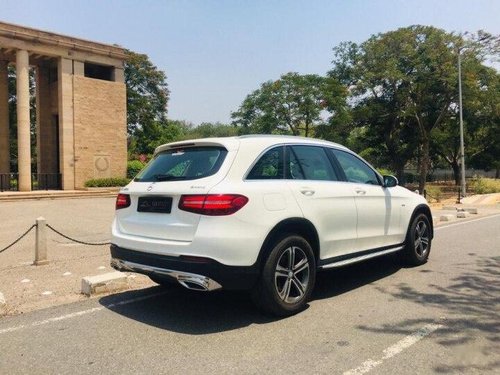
x: 155, y: 192
x: 325, y: 200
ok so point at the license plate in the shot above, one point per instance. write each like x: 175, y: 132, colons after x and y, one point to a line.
x: 161, y: 205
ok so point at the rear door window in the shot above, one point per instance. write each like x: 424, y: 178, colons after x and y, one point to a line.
x: 310, y: 163
x: 183, y: 164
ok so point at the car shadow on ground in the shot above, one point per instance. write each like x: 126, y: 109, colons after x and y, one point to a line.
x: 180, y: 310
x: 336, y: 281
x: 470, y: 306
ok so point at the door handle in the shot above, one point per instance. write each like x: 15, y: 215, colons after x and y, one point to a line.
x: 307, y: 192
x: 360, y: 191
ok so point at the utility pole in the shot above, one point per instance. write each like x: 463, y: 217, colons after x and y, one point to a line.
x: 462, y: 152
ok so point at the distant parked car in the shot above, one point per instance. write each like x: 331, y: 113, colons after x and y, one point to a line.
x: 262, y: 213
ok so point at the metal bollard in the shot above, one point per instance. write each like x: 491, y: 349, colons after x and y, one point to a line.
x: 41, y: 242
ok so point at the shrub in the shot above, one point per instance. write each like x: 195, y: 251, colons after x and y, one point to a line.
x: 433, y: 193
x: 107, y: 182
x: 480, y: 185
x: 134, y: 167
x: 385, y: 172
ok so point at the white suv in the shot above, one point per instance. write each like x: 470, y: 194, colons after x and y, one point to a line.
x: 262, y: 213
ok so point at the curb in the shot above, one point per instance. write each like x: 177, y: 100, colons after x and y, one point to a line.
x: 3, y: 305
x: 15, y: 197
x: 108, y: 282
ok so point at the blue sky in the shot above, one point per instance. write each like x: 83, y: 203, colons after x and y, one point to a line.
x: 216, y: 52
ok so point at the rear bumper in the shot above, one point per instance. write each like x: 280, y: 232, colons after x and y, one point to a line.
x: 207, y: 275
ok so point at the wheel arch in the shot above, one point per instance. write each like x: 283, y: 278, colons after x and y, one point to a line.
x: 295, y: 225
x: 422, y: 209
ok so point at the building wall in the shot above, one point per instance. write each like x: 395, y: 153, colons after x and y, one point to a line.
x: 100, y: 133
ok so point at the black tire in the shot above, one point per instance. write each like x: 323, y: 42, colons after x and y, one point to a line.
x: 418, y: 241
x: 287, y: 278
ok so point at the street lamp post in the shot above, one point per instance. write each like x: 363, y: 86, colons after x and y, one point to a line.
x: 462, y: 152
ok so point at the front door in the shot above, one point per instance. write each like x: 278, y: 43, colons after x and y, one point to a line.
x: 324, y: 200
x: 378, y: 217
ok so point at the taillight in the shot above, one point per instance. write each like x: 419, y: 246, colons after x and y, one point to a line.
x: 212, y: 204
x: 122, y: 201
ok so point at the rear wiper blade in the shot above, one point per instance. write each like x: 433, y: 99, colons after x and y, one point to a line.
x: 168, y: 177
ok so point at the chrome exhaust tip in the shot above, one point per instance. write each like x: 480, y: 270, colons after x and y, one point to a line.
x: 198, y: 282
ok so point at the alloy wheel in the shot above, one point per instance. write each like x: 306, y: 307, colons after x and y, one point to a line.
x: 291, y: 277
x: 421, y: 239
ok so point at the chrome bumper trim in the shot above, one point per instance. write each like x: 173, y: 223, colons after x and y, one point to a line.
x: 186, y: 279
x: 360, y: 258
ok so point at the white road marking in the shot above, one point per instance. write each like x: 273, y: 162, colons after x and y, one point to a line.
x: 67, y: 274
x: 397, y: 348
x: 25, y: 280
x: 466, y: 222
x: 101, y: 268
x: 79, y: 313
x: 46, y: 293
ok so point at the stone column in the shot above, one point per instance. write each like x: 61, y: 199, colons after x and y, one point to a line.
x: 23, y: 121
x: 66, y: 123
x: 4, y: 119
x: 118, y: 75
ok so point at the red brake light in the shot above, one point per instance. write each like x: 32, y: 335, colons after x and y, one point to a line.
x: 212, y: 204
x: 122, y: 201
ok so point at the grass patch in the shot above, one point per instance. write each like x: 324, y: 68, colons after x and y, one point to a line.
x: 480, y: 185
x: 107, y: 182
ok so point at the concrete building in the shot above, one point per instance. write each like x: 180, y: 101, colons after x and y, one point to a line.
x: 80, y: 108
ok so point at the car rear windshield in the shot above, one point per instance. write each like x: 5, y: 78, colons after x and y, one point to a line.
x: 183, y: 164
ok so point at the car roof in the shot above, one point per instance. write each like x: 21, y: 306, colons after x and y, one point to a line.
x: 233, y: 143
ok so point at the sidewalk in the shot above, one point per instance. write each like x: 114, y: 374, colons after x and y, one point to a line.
x: 486, y: 204
x: 27, y: 287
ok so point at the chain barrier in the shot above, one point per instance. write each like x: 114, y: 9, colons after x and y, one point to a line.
x: 75, y: 240
x: 18, y: 239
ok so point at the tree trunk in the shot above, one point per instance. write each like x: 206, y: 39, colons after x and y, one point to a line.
x: 456, y: 171
x: 424, y: 164
x: 398, y: 167
x: 400, y: 174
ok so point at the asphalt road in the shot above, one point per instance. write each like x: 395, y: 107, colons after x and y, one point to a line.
x: 376, y: 317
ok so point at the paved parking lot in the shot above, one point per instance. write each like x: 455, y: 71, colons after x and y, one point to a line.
x: 28, y: 287
x: 373, y: 318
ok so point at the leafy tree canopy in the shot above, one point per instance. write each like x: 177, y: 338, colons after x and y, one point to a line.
x: 294, y: 104
x: 403, y: 84
x: 147, y: 93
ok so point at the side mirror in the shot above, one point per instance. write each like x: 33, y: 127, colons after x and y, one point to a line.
x: 390, y: 181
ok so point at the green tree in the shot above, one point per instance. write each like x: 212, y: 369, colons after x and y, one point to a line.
x: 156, y: 133
x: 294, y: 104
x: 209, y: 129
x: 482, y: 120
x: 403, y: 85
x: 147, y: 99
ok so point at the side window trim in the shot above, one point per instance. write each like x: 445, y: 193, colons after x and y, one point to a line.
x: 290, y: 151
x: 335, y: 164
